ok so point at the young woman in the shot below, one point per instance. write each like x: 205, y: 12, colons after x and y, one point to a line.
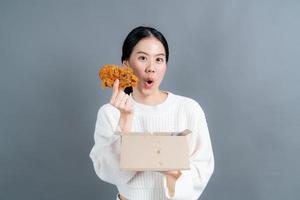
x: 148, y: 108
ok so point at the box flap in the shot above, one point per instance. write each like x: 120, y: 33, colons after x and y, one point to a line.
x: 185, y: 132
x: 132, y: 133
x: 182, y: 133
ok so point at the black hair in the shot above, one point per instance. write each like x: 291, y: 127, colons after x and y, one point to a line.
x: 139, y: 33
x: 134, y: 37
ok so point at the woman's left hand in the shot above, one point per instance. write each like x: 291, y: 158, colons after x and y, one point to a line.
x: 175, y: 173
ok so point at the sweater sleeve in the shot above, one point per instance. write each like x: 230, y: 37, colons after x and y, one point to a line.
x: 105, y: 154
x: 192, y: 183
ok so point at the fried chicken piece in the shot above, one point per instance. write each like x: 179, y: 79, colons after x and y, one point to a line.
x: 109, y: 73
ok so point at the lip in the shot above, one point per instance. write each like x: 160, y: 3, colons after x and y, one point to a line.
x: 147, y: 85
x: 149, y: 79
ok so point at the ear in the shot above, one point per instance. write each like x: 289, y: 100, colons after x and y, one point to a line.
x: 125, y: 63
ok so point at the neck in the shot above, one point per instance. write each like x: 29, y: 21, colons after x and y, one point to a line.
x: 152, y: 99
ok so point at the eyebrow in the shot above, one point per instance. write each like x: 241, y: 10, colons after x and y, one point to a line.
x: 160, y: 54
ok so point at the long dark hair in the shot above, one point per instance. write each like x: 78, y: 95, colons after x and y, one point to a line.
x: 134, y: 37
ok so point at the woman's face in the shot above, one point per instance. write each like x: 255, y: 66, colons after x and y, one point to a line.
x: 148, y: 61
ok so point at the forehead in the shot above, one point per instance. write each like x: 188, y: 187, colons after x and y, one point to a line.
x: 149, y: 45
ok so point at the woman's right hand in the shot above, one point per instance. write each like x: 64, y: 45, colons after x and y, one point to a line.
x: 122, y: 102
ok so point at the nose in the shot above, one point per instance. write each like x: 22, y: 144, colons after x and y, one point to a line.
x: 150, y: 68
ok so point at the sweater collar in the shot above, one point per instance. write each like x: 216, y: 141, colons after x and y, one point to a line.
x: 144, y: 107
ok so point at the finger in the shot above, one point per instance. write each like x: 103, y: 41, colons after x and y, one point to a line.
x: 119, y: 103
x: 123, y: 101
x: 128, y: 102
x: 115, y: 91
x: 119, y: 98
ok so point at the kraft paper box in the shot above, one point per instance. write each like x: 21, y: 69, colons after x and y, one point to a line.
x: 157, y: 151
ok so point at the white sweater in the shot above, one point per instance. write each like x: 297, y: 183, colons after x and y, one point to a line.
x: 176, y: 113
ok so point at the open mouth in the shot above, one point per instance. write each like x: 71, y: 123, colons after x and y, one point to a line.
x: 149, y: 83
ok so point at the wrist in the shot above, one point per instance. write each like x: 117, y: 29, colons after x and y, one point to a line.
x: 126, y: 115
x: 125, y: 121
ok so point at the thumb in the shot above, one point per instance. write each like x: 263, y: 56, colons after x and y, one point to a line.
x: 116, y: 86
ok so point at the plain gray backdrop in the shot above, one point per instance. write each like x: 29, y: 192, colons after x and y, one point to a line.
x: 239, y: 59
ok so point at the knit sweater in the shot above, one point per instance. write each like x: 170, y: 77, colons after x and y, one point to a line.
x: 175, y: 114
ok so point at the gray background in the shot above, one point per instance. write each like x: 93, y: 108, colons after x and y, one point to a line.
x: 239, y: 59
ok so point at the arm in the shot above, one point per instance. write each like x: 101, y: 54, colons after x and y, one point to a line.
x: 191, y: 183
x: 105, y: 153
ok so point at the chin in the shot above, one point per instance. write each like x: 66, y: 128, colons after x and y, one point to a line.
x: 146, y: 92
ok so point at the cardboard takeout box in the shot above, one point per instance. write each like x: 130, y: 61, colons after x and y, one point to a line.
x: 157, y: 151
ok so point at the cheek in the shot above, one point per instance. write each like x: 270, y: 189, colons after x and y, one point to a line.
x: 162, y: 72
x: 137, y: 68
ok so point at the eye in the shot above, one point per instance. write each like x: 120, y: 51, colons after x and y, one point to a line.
x: 142, y: 58
x: 159, y: 59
